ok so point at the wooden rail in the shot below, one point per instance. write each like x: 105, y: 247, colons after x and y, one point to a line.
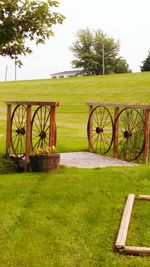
x: 32, y: 103
x: 121, y: 105
x: 123, y: 230
x: 124, y: 226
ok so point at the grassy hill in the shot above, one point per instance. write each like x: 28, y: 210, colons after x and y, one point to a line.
x: 70, y: 218
x: 73, y: 93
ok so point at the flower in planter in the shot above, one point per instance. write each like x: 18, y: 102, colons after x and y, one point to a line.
x: 45, y: 159
x: 45, y: 151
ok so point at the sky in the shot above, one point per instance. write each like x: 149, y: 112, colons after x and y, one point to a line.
x: 126, y: 21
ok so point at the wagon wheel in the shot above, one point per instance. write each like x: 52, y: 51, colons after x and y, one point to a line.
x: 130, y: 134
x: 18, y: 130
x: 40, y: 128
x: 100, y: 130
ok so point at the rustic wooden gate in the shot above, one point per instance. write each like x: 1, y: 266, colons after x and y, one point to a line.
x: 123, y: 127
x: 30, y: 125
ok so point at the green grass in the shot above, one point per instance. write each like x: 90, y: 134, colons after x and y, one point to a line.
x: 70, y: 218
x: 73, y: 93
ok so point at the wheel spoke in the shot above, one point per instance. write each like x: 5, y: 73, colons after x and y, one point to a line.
x: 46, y: 119
x: 18, y: 133
x: 40, y: 127
x: 130, y: 134
x: 101, y: 121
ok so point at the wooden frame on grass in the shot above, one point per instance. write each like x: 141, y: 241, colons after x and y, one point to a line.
x: 124, y: 226
x: 23, y: 126
x: 118, y: 109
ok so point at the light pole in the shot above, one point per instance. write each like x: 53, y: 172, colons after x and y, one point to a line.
x: 103, y: 58
x: 6, y: 70
x: 15, y: 69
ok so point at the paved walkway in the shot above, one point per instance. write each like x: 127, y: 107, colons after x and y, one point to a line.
x: 90, y: 160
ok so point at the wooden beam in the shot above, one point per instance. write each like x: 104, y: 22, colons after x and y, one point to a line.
x: 115, y: 137
x: 123, y: 230
x: 137, y: 250
x: 144, y: 197
x: 8, y: 131
x: 30, y: 103
x: 52, y: 136
x: 28, y: 137
x: 95, y: 104
x: 147, y: 128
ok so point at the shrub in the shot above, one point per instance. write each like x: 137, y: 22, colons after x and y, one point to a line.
x: 7, y: 166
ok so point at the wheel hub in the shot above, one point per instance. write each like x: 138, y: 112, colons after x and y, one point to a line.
x: 99, y: 130
x: 42, y: 135
x: 127, y: 134
x: 21, y: 131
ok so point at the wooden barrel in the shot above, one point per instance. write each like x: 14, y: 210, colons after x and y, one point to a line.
x: 45, y: 163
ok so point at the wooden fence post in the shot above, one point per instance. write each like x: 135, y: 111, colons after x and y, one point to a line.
x: 115, y: 138
x: 8, y: 131
x: 147, y: 128
x: 28, y: 137
x: 52, y: 137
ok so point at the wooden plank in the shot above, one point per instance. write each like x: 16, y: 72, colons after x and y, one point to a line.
x: 123, y: 230
x: 144, y: 197
x: 52, y: 141
x: 28, y: 137
x: 137, y: 250
x: 115, y: 141
x: 8, y: 130
x: 120, y: 105
x: 147, y: 128
x: 38, y: 103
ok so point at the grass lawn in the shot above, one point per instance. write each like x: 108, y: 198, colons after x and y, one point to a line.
x: 70, y: 218
x: 73, y: 93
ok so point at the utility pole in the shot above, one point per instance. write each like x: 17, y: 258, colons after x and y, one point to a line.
x: 6, y: 73
x: 15, y: 70
x: 103, y: 57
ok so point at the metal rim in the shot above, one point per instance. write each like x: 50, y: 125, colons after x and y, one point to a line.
x: 100, y: 130
x: 40, y: 128
x: 131, y: 138
x: 18, y: 130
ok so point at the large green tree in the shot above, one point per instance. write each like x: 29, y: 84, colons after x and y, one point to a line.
x: 146, y: 63
x: 22, y: 20
x: 96, y: 53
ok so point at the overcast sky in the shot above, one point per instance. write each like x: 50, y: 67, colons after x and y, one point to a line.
x: 125, y: 20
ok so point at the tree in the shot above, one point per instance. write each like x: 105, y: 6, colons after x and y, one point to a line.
x: 22, y: 20
x: 82, y: 50
x: 146, y: 63
x: 97, y: 53
x: 121, y: 66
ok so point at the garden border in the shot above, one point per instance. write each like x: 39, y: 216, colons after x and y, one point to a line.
x: 124, y: 226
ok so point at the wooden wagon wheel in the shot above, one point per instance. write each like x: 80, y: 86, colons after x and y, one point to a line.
x: 131, y: 137
x: 100, y: 130
x: 40, y: 128
x: 18, y: 130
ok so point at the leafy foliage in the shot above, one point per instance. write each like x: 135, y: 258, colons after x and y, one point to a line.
x: 96, y: 53
x: 7, y: 166
x: 146, y: 63
x: 22, y: 20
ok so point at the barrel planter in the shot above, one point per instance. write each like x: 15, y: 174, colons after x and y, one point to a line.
x: 45, y: 163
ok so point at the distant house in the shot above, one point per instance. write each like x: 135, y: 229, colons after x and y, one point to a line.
x: 66, y: 74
